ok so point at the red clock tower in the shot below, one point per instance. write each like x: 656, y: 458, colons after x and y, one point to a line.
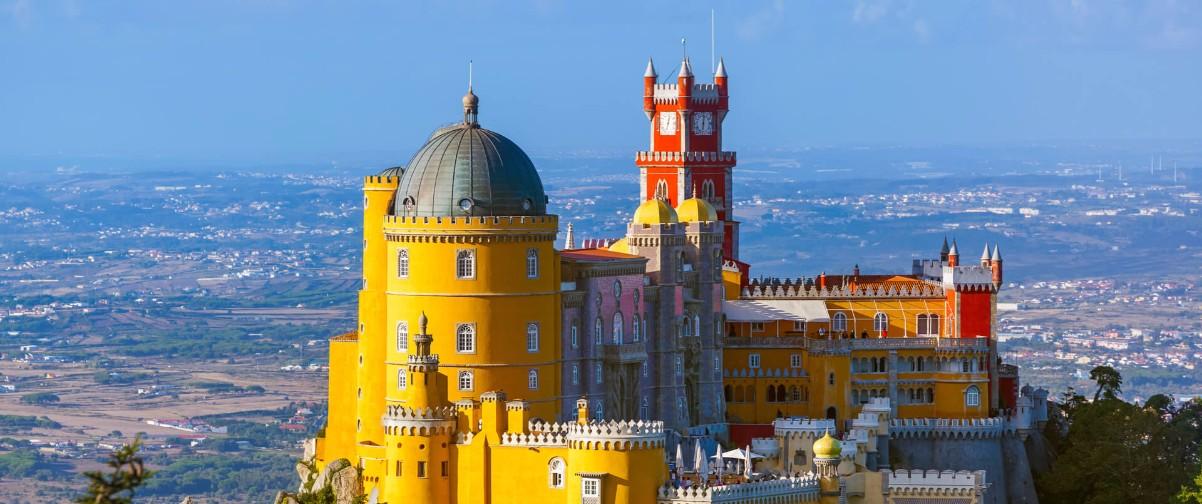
x: 686, y: 157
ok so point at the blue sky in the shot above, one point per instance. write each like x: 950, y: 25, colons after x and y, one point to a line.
x: 297, y: 81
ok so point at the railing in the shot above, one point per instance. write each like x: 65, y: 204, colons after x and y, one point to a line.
x: 842, y: 345
x: 625, y: 352
x: 702, y: 156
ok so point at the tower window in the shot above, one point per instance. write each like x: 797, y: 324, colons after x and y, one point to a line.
x: 880, y: 323
x: 401, y: 381
x: 590, y: 488
x: 644, y: 369
x: 532, y: 263
x: 839, y: 322
x: 795, y: 360
x: 402, y: 263
x: 555, y: 473
x: 598, y: 331
x: 661, y: 190
x: 465, y: 338
x: 532, y: 379
x: 644, y: 409
x: 707, y: 190
x: 575, y: 337
x: 597, y: 373
x: 753, y: 361
x: 634, y: 328
x: 618, y: 328
x: 402, y: 336
x: 679, y: 366
x: 972, y: 397
x: 532, y: 337
x: 421, y: 468
x: 465, y: 381
x: 717, y: 265
x: 575, y: 374
x: 465, y: 264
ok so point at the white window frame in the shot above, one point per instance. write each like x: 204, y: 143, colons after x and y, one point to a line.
x: 532, y: 379
x: 556, y: 470
x: 532, y: 337
x: 598, y: 373
x: 465, y: 264
x: 799, y: 326
x: 466, y: 381
x: 590, y: 489
x: 532, y: 263
x: 402, y: 263
x: 402, y: 379
x: 575, y: 374
x: 757, y: 327
x: 575, y: 334
x: 402, y: 336
x: 619, y: 327
x: 795, y: 360
x: 972, y: 396
x: 880, y: 322
x: 839, y: 322
x: 634, y: 326
x: 753, y: 361
x: 468, y: 347
x: 598, y: 331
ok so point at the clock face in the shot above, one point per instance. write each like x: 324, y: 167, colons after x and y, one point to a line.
x: 703, y: 123
x: 667, y: 123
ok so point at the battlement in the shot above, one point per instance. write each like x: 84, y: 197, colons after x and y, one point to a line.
x: 666, y: 93
x: 492, y: 396
x: 423, y: 360
x: 807, y: 289
x: 928, y: 269
x: 802, y: 426
x: 400, y: 224
x: 970, y: 278
x: 622, y: 435
x: 405, y: 421
x: 534, y: 439
x: 380, y: 182
x: 680, y: 157
x: 800, y: 489
x: 934, y: 483
x: 517, y: 405
x: 949, y: 428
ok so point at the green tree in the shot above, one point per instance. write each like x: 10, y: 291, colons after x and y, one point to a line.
x: 1191, y: 493
x: 118, y: 486
x: 1110, y: 382
x: 1160, y: 403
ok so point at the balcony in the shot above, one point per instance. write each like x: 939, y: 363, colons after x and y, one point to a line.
x: 652, y: 157
x: 845, y: 345
x: 624, y: 353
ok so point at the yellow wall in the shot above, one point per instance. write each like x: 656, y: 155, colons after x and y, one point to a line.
x: 339, y: 440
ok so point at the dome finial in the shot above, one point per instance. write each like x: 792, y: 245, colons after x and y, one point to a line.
x: 471, y: 103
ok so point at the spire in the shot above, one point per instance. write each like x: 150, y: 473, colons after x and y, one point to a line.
x: 569, y: 241
x: 686, y: 70
x: 954, y: 250
x: 421, y: 342
x: 650, y: 69
x: 721, y: 71
x: 944, y: 250
x: 997, y: 254
x: 985, y: 253
x: 471, y: 103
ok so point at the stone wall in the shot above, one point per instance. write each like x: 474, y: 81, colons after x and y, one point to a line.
x: 1004, y: 460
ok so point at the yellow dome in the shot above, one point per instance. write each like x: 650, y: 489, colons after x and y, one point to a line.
x: 827, y: 447
x: 622, y: 246
x: 655, y: 211
x: 696, y: 210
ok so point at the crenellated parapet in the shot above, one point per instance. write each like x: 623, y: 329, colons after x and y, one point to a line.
x: 949, y: 428
x: 802, y: 427
x: 405, y: 421
x: 616, y: 435
x: 934, y: 483
x: 465, y: 229
x: 690, y: 156
x: 536, y: 439
x: 806, y: 289
x: 779, y: 491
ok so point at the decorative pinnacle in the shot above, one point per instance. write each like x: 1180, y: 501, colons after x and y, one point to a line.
x: 955, y: 250
x: 422, y: 321
x: 650, y: 69
x: 721, y: 71
x: 985, y: 253
x: 997, y: 255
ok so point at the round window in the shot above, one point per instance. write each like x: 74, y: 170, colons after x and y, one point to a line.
x: 466, y: 204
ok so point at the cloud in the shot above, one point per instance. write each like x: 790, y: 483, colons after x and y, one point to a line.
x: 763, y: 21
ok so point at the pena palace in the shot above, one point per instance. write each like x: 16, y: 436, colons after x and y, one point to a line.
x: 494, y: 362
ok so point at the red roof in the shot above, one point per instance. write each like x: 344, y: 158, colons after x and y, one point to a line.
x: 597, y: 254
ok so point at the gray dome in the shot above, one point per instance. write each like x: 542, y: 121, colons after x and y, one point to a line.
x: 468, y: 170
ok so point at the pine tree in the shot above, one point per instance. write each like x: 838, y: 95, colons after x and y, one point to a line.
x: 118, y: 486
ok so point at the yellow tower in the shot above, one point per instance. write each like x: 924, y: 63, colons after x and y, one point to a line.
x: 418, y: 434
x: 470, y: 243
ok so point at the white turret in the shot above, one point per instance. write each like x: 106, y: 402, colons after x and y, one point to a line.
x: 650, y: 69
x: 721, y: 71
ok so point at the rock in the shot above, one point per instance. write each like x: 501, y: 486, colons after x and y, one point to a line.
x: 187, y: 500
x: 285, y: 498
x: 346, y: 484
x: 306, y: 473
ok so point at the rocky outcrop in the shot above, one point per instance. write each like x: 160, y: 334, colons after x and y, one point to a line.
x: 339, y: 479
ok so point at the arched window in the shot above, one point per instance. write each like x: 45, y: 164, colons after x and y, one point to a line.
x: 880, y: 323
x: 739, y: 394
x: 532, y: 379
x: 634, y: 328
x: 717, y: 265
x: 661, y: 189
x: 680, y: 267
x: 839, y: 322
x: 707, y: 190
x: 972, y: 397
x: 930, y: 395
x: 771, y: 394
x: 402, y: 263
x: 598, y: 331
x: 465, y: 264
x: 780, y: 394
x: 728, y: 393
x: 465, y: 338
x: 575, y: 374
x: 409, y: 203
x: 644, y: 409
x: 574, y: 335
x: 933, y: 325
x: 532, y: 337
x: 794, y: 393
x: 644, y: 328
x: 922, y: 325
x: 465, y: 380
x: 618, y: 328
x: 555, y: 473
x: 830, y: 379
x: 403, y: 336
x: 597, y: 373
x: 696, y: 325
x: 400, y: 379
x: 532, y: 263
x: 750, y: 393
